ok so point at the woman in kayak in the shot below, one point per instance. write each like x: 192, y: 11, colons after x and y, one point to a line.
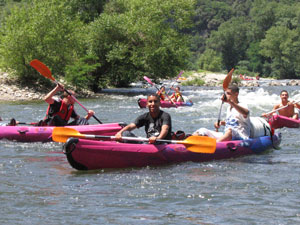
x: 61, y: 110
x: 176, y: 96
x: 288, y: 108
x: 237, y: 123
x: 157, y: 123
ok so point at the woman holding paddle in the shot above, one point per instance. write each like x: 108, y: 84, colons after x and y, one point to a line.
x: 237, y: 123
x: 60, y: 111
x: 176, y: 96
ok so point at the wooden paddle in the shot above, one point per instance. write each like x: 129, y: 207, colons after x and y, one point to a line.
x: 226, y: 83
x: 150, y: 82
x: 198, y: 144
x: 45, y: 71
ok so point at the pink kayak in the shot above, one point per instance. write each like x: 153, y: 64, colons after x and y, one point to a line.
x: 278, y: 121
x: 44, y: 133
x: 83, y: 154
x: 142, y: 102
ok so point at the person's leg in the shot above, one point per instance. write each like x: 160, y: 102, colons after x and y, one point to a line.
x: 57, y: 121
x: 226, y: 137
x: 80, y: 121
x: 207, y: 132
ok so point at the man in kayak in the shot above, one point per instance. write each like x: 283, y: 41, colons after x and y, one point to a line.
x: 157, y: 123
x: 60, y: 111
x: 285, y: 108
x: 237, y: 122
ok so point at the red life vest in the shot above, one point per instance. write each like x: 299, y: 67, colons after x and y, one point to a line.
x: 64, y: 112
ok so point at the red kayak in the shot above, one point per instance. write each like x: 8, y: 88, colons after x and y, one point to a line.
x: 85, y: 154
x: 278, y: 121
x: 142, y: 102
x: 44, y: 133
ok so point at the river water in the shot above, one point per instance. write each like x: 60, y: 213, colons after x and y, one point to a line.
x: 38, y: 186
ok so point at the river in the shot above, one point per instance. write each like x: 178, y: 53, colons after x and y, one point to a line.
x: 38, y: 186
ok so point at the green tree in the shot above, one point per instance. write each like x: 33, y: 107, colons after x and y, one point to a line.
x: 231, y: 40
x: 41, y: 29
x: 281, y: 46
x: 133, y: 38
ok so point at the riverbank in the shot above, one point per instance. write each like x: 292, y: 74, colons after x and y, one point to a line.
x: 10, y: 90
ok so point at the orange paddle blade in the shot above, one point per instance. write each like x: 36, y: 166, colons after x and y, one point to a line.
x: 41, y: 68
x: 227, y: 79
x: 62, y: 134
x: 200, y: 144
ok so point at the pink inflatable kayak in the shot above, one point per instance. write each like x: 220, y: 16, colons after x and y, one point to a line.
x: 44, y: 134
x: 278, y: 121
x: 142, y: 102
x: 83, y: 154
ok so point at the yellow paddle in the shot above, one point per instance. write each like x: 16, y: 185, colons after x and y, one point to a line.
x: 198, y: 144
x: 45, y: 71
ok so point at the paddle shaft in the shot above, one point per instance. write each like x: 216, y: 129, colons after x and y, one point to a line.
x: 226, y: 82
x: 129, y: 138
x: 178, y: 76
x: 275, y: 110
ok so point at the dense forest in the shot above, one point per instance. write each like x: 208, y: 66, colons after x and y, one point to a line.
x: 98, y: 43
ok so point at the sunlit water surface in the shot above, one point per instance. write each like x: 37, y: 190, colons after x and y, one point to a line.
x: 38, y: 186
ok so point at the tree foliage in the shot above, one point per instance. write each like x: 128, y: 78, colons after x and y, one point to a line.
x: 94, y: 44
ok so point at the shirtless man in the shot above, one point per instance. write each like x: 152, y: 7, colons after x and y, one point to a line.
x: 288, y: 108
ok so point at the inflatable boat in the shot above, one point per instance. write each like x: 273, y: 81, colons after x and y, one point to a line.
x: 142, y: 102
x: 44, y: 133
x: 278, y: 121
x: 83, y: 154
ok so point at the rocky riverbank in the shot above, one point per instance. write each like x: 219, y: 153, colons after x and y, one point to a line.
x: 10, y: 90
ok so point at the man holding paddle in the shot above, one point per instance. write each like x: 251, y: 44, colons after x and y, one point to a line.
x: 60, y: 111
x: 285, y: 108
x: 157, y: 123
x: 237, y: 123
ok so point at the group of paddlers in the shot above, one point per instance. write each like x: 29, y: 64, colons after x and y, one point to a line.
x: 158, y: 123
x: 175, y: 97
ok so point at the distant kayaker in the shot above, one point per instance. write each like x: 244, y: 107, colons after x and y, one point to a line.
x: 162, y: 93
x: 177, y: 96
x: 288, y: 107
x: 237, y: 123
x: 157, y: 123
x: 61, y: 110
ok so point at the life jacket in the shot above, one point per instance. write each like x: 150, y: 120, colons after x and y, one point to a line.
x: 64, y: 112
x: 162, y: 95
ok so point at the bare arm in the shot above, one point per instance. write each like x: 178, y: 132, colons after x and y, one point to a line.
x: 163, y: 133
x: 48, y: 98
x: 239, y: 108
x: 129, y: 127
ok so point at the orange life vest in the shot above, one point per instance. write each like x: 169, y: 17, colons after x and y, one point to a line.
x: 64, y: 112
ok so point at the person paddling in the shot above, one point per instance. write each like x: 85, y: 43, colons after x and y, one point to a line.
x: 162, y: 93
x: 60, y: 111
x: 237, y: 123
x: 177, y: 96
x: 157, y: 123
x: 288, y: 107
